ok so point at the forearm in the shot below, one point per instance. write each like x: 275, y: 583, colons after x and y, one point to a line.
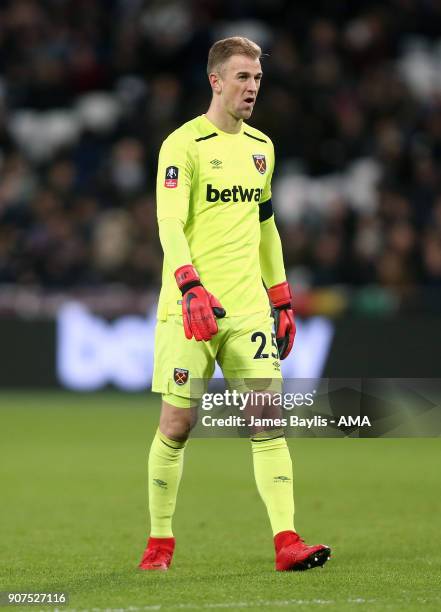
x: 271, y: 255
x: 174, y: 243
x: 199, y: 307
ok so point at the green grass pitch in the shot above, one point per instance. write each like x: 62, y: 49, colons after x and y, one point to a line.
x: 73, y: 515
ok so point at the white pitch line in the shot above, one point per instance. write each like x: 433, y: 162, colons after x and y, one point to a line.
x: 276, y: 603
x: 207, y: 606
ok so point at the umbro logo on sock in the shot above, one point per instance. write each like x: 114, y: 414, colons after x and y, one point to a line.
x: 160, y: 483
x: 281, y: 479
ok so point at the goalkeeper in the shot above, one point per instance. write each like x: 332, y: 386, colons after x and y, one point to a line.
x: 219, y: 238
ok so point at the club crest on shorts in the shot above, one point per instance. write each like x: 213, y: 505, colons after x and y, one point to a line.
x: 180, y: 376
x: 260, y: 163
x: 171, y: 177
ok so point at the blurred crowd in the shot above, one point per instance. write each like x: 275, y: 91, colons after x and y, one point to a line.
x: 351, y: 97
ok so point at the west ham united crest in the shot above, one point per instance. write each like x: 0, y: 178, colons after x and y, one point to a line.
x: 171, y: 177
x: 260, y: 163
x: 180, y: 376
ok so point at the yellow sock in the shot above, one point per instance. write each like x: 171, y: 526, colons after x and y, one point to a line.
x: 165, y: 470
x: 273, y: 474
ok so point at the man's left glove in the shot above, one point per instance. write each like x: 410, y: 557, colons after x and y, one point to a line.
x: 281, y: 298
x: 200, y: 309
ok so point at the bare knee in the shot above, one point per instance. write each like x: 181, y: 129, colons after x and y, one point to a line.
x: 176, y: 423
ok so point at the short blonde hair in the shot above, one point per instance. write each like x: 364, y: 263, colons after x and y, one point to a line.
x: 223, y: 49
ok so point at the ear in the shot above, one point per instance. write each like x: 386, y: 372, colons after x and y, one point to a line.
x: 215, y: 82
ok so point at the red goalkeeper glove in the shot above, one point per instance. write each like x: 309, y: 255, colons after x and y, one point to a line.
x: 281, y: 299
x: 199, y: 308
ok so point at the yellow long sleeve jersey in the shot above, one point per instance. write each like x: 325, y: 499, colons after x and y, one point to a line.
x: 213, y: 183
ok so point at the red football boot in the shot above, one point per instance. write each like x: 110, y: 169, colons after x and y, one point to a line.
x: 292, y: 554
x: 158, y: 554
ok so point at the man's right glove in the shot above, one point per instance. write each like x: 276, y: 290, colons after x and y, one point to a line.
x: 199, y: 308
x: 285, y: 326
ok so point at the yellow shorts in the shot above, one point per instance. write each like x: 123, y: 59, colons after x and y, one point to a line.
x: 245, y: 348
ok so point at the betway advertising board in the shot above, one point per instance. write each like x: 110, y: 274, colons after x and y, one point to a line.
x: 83, y: 351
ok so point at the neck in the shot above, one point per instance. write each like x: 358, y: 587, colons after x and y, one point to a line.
x: 223, y: 120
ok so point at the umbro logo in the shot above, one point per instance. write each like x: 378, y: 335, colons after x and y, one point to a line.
x: 216, y: 164
x: 160, y: 483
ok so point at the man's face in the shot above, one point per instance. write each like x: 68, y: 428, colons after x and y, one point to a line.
x: 238, y: 85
